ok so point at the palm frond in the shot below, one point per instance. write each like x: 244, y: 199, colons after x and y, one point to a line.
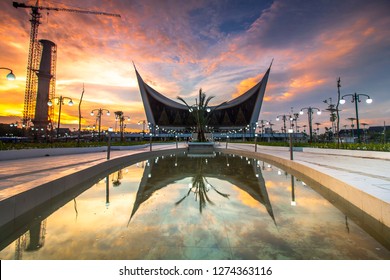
x: 182, y: 100
x: 208, y: 100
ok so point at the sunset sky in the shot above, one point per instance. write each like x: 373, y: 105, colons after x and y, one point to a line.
x: 221, y: 46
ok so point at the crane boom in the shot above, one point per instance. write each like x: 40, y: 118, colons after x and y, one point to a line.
x: 22, y: 5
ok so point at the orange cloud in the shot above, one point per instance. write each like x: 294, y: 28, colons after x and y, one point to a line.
x: 246, y: 84
x: 306, y: 82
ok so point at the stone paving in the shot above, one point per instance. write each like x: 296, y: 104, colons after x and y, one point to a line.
x: 371, y: 175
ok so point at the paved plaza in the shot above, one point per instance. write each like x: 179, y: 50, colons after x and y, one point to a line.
x: 369, y: 174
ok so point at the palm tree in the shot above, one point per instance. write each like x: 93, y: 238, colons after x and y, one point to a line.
x: 201, y: 112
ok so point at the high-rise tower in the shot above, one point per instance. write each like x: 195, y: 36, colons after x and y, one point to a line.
x: 46, y: 84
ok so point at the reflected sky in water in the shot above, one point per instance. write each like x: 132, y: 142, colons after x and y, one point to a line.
x: 180, y: 207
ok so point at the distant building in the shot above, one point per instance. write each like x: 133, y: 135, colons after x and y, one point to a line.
x: 240, y: 112
x: 378, y: 129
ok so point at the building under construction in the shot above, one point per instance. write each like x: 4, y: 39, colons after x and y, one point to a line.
x: 46, y: 85
x: 40, y: 83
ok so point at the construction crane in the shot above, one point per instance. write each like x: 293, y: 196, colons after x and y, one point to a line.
x: 33, y: 54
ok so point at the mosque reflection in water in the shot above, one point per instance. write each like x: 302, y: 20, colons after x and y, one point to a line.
x: 181, y: 207
x: 241, y: 172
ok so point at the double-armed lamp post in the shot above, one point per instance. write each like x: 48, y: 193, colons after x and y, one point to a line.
x: 99, y: 115
x: 10, y: 76
x: 356, y: 99
x: 60, y: 102
x: 310, y: 118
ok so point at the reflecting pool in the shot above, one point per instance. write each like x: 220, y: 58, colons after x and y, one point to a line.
x: 179, y: 207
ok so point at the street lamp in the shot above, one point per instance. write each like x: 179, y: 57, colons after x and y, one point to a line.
x: 99, y: 116
x: 10, y: 76
x: 255, y: 142
x: 310, y: 118
x: 60, y: 102
x: 290, y: 132
x: 356, y: 99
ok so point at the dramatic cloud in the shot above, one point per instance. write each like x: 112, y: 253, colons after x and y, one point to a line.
x: 223, y: 47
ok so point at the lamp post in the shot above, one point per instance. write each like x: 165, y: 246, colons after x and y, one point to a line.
x: 227, y: 140
x: 310, y: 119
x: 290, y: 132
x: 60, y: 102
x: 99, y: 115
x: 10, y: 76
x: 109, y: 142
x: 356, y: 99
x: 255, y: 142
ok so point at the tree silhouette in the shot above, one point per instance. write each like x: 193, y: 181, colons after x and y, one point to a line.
x: 201, y: 113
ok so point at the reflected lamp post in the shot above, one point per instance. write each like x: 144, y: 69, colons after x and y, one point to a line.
x: 60, y: 102
x: 310, y: 119
x: 293, y: 202
x: 10, y: 76
x: 356, y: 99
x: 99, y: 116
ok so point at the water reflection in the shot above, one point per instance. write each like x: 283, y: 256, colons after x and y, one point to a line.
x: 163, y: 171
x: 179, y: 207
x: 293, y: 202
x: 116, y: 180
x: 32, y: 240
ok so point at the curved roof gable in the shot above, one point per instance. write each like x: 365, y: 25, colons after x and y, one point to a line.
x: 238, y: 112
